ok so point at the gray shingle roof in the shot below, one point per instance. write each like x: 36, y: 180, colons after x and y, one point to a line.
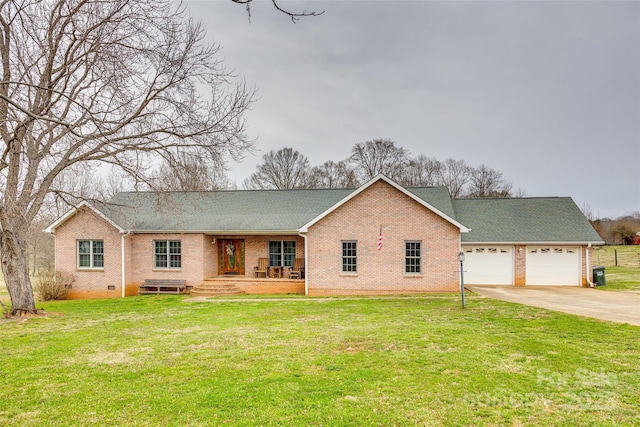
x: 247, y: 210
x: 527, y: 220
x: 438, y: 197
x: 242, y: 210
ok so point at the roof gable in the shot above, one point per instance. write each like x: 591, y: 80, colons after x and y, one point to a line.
x: 411, y: 194
x: 71, y: 212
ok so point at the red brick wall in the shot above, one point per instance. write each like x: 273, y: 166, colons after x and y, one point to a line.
x: 198, y: 258
x: 89, y: 283
x: 520, y: 267
x: 382, y: 272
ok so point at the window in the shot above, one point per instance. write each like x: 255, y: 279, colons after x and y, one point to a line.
x: 168, y: 254
x: 282, y: 253
x: 349, y: 256
x: 412, y: 257
x: 90, y: 254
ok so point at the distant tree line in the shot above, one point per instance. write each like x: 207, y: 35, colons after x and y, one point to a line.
x: 623, y: 230
x: 288, y: 169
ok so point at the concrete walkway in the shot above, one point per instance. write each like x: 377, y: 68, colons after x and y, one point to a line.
x: 620, y: 307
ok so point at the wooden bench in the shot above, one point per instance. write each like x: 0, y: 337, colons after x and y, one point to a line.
x: 162, y: 286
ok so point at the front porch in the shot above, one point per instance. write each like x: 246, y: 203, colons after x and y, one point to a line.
x: 234, y: 285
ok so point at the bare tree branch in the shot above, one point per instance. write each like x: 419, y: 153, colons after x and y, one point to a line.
x: 295, y: 16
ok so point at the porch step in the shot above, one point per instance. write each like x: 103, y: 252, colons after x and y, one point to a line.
x: 212, y: 288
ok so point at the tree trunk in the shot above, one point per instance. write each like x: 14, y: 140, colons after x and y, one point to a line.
x: 13, y: 254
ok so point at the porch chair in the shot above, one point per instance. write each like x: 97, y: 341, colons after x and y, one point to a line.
x: 296, y: 270
x: 261, y: 269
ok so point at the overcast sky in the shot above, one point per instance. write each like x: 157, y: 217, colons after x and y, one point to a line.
x: 546, y: 92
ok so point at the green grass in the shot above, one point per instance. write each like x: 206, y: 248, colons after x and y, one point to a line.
x: 624, y: 277
x: 160, y: 361
x: 628, y: 256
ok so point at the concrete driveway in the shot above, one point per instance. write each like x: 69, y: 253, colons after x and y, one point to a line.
x: 620, y: 307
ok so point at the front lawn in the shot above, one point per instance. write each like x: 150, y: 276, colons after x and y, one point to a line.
x: 161, y: 361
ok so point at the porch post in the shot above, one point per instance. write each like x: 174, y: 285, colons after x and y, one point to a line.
x: 306, y: 264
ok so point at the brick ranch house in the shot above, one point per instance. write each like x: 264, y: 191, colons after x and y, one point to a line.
x: 380, y: 238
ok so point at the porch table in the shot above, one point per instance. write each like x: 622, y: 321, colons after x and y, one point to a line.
x: 275, y: 272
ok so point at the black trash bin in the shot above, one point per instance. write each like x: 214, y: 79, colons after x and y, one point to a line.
x: 598, y: 276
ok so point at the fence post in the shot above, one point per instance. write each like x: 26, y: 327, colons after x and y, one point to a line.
x: 615, y: 255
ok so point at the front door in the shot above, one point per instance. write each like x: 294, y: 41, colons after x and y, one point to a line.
x: 231, y: 256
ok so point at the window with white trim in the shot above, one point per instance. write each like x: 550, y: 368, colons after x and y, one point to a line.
x: 349, y: 256
x: 282, y: 253
x: 167, y: 254
x: 412, y: 257
x: 90, y: 254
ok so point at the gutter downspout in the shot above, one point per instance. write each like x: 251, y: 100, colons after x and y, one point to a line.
x: 306, y: 264
x: 591, y: 284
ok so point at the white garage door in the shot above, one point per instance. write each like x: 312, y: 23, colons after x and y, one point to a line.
x: 488, y: 265
x: 548, y: 265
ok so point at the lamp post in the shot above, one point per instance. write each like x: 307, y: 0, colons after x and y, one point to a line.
x: 461, y: 259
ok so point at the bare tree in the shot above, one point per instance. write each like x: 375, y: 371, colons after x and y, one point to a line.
x: 379, y: 156
x: 89, y: 82
x: 487, y: 182
x: 422, y: 171
x: 333, y: 175
x: 455, y: 175
x: 587, y: 211
x: 77, y: 183
x: 185, y: 172
x: 40, y: 247
x: 282, y: 169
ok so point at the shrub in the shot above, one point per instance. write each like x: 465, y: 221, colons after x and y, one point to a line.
x: 50, y: 287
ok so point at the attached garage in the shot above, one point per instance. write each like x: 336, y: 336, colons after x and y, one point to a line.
x: 553, y: 265
x: 488, y: 265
